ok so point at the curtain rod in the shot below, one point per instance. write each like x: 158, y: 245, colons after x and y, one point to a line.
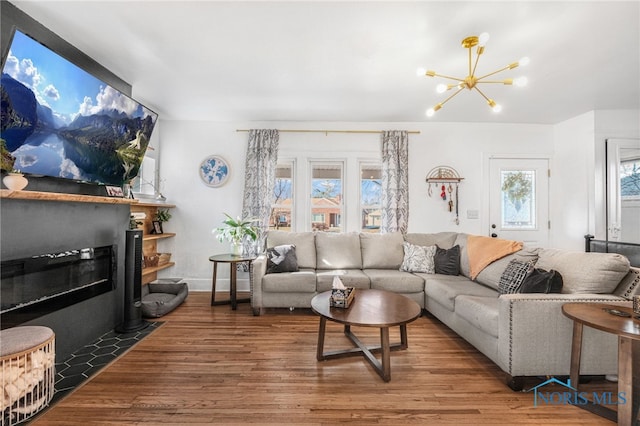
x: 411, y: 132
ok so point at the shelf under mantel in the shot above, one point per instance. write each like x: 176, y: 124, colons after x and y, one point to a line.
x: 57, y: 196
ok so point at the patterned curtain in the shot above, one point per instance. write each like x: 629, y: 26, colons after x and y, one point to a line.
x: 395, y: 181
x: 259, y: 181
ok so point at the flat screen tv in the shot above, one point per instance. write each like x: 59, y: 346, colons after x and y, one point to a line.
x: 59, y: 120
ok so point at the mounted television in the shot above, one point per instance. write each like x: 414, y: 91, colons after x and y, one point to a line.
x: 58, y: 120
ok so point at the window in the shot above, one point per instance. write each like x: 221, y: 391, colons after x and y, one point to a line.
x: 370, y: 196
x: 282, y: 207
x: 518, y: 199
x: 630, y: 179
x: 326, y: 196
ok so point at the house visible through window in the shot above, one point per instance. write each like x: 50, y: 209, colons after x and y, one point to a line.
x: 630, y: 178
x: 370, y: 196
x: 326, y: 196
x: 282, y: 207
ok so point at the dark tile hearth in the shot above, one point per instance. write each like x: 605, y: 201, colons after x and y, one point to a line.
x: 88, y: 360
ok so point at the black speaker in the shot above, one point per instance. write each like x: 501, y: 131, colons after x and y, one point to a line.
x: 132, y: 284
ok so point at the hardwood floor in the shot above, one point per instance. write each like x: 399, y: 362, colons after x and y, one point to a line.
x: 213, y: 365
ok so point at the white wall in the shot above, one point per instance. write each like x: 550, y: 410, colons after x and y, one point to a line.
x: 572, y: 182
x: 200, y: 208
x: 578, y: 177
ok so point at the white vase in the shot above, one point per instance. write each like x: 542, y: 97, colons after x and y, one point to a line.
x: 236, y: 249
x: 15, y: 181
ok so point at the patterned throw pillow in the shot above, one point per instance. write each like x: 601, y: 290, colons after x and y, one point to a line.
x: 282, y: 259
x: 513, y: 276
x: 418, y: 258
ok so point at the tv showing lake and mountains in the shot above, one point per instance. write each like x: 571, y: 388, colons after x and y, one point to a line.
x: 58, y: 120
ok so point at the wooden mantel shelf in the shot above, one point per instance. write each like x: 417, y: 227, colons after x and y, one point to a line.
x: 56, y: 196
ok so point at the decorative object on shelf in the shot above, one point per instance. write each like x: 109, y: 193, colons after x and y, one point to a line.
x: 114, y: 191
x: 471, y: 81
x: 445, y: 177
x: 164, y: 258
x: 15, y: 181
x: 214, y: 171
x: 156, y: 227
x: 162, y: 215
x: 236, y: 231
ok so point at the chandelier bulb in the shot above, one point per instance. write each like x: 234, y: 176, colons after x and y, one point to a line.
x: 430, y: 112
x: 441, y: 88
x: 483, y: 39
x: 523, y: 61
x: 497, y: 108
x: 420, y: 72
x: 520, y: 81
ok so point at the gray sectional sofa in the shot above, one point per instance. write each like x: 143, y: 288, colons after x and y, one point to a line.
x: 524, y: 334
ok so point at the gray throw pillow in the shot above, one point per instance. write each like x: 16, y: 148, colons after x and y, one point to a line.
x: 447, y: 262
x: 282, y: 259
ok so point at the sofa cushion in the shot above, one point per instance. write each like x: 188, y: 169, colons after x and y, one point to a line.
x: 598, y: 273
x: 303, y: 281
x: 513, y: 276
x: 304, y: 242
x: 447, y: 261
x: 480, y: 311
x: 445, y: 240
x: 445, y: 288
x: 282, y: 259
x: 395, y: 281
x: 382, y: 251
x: 338, y: 251
x: 418, y: 258
x: 461, y: 240
x: 349, y: 277
x: 490, y: 276
x: 630, y: 284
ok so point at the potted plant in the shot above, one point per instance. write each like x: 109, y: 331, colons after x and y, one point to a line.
x: 236, y: 231
x: 163, y: 215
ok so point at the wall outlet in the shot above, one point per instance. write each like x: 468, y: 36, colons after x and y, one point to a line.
x: 472, y: 214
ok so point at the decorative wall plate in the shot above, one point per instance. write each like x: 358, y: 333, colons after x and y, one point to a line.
x: 214, y: 171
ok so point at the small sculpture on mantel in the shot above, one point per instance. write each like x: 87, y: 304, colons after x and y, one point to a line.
x: 443, y: 175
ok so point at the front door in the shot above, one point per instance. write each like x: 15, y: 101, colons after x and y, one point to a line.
x: 519, y: 200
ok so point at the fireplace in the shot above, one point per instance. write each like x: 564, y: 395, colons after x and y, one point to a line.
x: 43, y: 283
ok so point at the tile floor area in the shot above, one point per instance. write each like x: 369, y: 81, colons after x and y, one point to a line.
x: 90, y: 359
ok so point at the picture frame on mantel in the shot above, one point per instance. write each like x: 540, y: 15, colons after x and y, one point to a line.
x: 214, y: 171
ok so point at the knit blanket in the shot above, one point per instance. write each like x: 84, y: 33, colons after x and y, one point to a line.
x: 482, y: 251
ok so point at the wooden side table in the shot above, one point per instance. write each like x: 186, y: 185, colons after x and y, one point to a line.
x: 627, y: 328
x: 233, y: 261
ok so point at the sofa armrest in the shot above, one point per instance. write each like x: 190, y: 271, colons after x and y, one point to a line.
x: 258, y: 270
x: 534, y: 336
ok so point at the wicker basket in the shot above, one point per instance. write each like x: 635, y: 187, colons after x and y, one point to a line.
x: 151, y: 260
x: 164, y: 258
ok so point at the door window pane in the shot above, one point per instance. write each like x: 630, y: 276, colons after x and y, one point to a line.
x: 326, y: 197
x: 518, y: 199
x: 370, y: 196
x: 282, y: 207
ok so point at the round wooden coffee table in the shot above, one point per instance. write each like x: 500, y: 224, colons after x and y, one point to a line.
x: 624, y: 323
x: 370, y: 308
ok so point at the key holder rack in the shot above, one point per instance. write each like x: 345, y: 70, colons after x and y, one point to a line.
x: 444, y: 178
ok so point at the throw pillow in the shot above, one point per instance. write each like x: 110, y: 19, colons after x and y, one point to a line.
x: 447, y: 262
x: 541, y: 281
x: 282, y: 259
x: 418, y: 258
x: 513, y: 276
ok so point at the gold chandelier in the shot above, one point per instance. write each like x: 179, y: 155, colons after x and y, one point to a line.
x: 471, y: 81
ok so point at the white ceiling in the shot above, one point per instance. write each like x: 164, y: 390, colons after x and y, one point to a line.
x: 356, y: 61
